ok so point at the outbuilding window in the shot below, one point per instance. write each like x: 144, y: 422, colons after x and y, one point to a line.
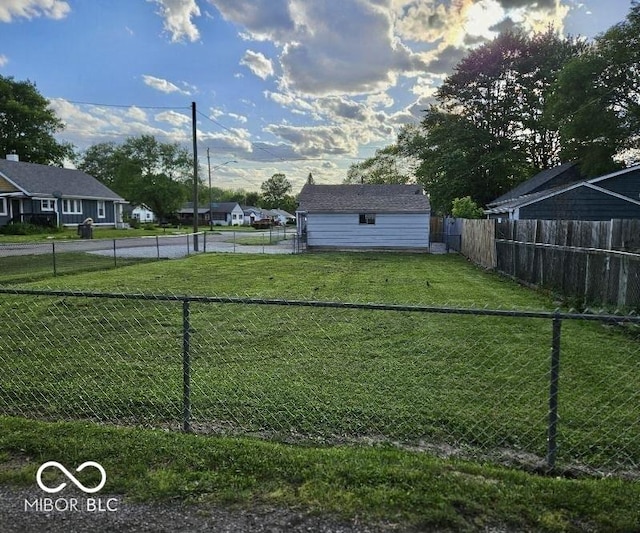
x: 3, y: 206
x: 367, y: 218
x: 102, y: 211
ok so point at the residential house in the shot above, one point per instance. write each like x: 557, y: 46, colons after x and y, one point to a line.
x: 45, y: 195
x: 143, y: 214
x: 560, y: 194
x: 254, y: 214
x: 281, y: 217
x: 364, y: 217
x: 217, y: 214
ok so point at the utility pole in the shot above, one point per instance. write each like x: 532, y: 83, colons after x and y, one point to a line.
x: 195, y: 177
x: 210, y: 198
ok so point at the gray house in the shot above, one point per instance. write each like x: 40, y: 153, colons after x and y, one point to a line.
x: 560, y: 194
x: 54, y: 196
x: 217, y: 214
x: 364, y: 217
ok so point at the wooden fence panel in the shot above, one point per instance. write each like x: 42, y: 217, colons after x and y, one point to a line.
x: 478, y: 242
x: 570, y: 257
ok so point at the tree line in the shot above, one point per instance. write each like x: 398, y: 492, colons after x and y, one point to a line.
x: 518, y: 105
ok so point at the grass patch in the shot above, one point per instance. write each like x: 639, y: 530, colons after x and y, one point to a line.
x: 348, y: 277
x: 28, y: 268
x: 376, y: 482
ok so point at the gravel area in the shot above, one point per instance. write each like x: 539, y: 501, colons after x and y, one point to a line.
x: 159, y: 518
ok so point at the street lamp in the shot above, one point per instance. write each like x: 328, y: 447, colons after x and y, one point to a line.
x: 210, y: 192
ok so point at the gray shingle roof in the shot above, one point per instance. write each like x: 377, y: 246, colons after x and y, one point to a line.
x: 539, y: 182
x: 360, y: 198
x: 216, y: 207
x: 43, y: 180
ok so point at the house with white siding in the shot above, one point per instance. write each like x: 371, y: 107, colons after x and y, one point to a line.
x: 364, y: 217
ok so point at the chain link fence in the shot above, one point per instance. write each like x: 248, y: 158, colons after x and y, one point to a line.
x: 548, y: 391
x: 31, y: 261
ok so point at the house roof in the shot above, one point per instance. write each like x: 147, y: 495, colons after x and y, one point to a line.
x: 365, y: 197
x: 539, y: 182
x: 44, y: 181
x: 216, y: 207
x: 527, y: 199
x: 282, y: 213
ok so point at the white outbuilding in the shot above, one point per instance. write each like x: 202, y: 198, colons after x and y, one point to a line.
x: 367, y: 216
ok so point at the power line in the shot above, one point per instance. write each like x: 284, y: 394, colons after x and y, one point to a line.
x: 124, y: 106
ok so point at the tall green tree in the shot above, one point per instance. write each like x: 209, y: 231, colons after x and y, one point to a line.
x: 143, y: 171
x: 162, y: 194
x: 392, y: 164
x: 488, y: 130
x: 28, y: 125
x: 274, y: 191
x: 597, y: 99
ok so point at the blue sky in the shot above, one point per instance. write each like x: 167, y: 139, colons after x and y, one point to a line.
x: 292, y: 86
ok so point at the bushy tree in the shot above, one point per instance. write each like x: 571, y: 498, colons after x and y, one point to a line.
x: 28, y: 125
x: 466, y: 208
x: 274, y: 191
x: 597, y: 100
x: 488, y: 130
x: 143, y: 171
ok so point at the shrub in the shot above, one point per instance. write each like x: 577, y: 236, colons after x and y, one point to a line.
x: 20, y: 228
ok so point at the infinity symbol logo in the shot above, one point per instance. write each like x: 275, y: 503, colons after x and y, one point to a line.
x: 71, y: 477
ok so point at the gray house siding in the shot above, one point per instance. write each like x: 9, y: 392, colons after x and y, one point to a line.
x: 391, y: 230
x: 30, y: 210
x: 581, y: 203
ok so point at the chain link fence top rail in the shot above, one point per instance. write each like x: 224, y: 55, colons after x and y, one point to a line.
x: 536, y: 389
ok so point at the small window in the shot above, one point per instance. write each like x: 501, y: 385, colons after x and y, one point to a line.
x: 47, y: 205
x: 102, y: 213
x: 3, y: 206
x: 367, y: 218
x: 72, y: 207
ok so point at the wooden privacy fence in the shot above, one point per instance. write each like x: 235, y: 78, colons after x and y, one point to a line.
x: 478, y: 242
x: 592, y: 262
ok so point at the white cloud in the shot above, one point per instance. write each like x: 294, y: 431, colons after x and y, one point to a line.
x: 163, y: 85
x: 313, y: 141
x: 136, y: 113
x: 54, y: 9
x: 260, y: 65
x: 175, y: 119
x: 178, y: 16
x: 3, y: 60
x: 327, y: 47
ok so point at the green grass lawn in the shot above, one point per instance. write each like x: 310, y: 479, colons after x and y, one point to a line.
x: 318, y: 376
x: 348, y: 277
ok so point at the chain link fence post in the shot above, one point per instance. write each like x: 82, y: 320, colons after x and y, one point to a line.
x: 53, y: 252
x: 552, y: 447
x: 186, y: 367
